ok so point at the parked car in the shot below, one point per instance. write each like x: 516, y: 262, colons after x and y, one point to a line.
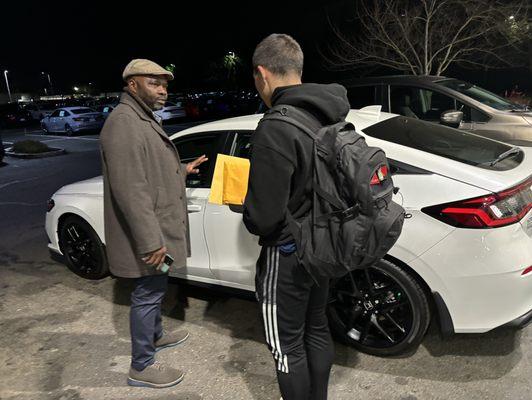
x: 71, y: 120
x: 105, y: 109
x: 14, y: 115
x: 464, y: 256
x: 171, y: 110
x: 447, y: 101
x: 40, y: 110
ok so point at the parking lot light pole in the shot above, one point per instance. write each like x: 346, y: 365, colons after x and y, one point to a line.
x: 49, y: 81
x: 7, y: 84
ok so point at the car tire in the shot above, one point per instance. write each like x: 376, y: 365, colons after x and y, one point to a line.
x: 69, y: 131
x: 83, y: 250
x: 388, y: 317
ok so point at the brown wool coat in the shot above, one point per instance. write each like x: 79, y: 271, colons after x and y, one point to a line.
x: 144, y: 190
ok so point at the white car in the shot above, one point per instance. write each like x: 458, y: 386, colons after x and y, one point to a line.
x: 72, y: 120
x: 171, y: 110
x: 464, y: 256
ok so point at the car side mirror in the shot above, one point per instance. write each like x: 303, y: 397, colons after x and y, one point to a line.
x: 452, y: 118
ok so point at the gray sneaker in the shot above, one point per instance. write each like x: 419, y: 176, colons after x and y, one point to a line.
x: 156, y: 375
x: 170, y: 339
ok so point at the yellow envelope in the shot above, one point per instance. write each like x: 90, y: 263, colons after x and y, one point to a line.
x: 230, y: 180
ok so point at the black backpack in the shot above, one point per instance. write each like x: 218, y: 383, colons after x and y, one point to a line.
x: 353, y: 222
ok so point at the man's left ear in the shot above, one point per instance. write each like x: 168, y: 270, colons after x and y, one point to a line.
x: 263, y: 73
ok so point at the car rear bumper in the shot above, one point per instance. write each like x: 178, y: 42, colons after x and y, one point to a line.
x: 521, y: 322
x: 480, y: 276
x: 87, y: 127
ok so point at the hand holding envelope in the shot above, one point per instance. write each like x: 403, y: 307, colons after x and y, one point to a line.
x: 230, y: 180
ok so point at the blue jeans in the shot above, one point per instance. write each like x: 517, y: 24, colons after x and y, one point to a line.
x: 145, y: 318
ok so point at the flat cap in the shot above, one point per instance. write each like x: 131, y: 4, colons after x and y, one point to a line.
x: 141, y: 66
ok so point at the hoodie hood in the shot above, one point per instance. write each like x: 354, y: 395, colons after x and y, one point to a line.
x: 328, y: 103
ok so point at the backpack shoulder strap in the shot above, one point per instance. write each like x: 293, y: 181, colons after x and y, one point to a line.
x: 293, y: 116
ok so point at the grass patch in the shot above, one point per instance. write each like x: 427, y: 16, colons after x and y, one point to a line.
x: 30, y: 147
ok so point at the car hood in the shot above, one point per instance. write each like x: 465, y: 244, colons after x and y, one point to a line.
x: 93, y: 186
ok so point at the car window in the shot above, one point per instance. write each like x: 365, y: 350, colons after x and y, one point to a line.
x: 242, y: 147
x: 63, y: 113
x: 482, y: 95
x: 55, y: 113
x: 193, y: 146
x: 471, y: 114
x: 362, y: 96
x: 82, y: 110
x: 445, y: 142
x: 416, y: 102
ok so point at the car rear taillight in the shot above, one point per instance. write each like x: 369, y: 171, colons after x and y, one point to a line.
x: 491, y: 211
x: 80, y: 119
x: 50, y: 205
x: 527, y: 271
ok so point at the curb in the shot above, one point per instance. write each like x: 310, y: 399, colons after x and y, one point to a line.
x: 53, y: 153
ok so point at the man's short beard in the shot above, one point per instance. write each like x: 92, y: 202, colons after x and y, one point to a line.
x: 156, y: 106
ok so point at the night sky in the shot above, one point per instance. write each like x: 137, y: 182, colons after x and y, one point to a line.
x: 92, y: 41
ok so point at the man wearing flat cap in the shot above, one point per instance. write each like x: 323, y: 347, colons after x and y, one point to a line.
x: 145, y: 213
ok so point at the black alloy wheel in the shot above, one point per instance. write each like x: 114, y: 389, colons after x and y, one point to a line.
x: 83, y: 250
x: 387, y: 314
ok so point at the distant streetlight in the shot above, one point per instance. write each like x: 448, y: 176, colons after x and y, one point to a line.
x: 49, y: 79
x: 511, y: 17
x: 76, y: 89
x: 7, y: 84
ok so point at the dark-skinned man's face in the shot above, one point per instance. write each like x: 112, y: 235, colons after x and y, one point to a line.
x: 152, y: 90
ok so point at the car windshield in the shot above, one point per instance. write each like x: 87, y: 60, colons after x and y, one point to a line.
x: 82, y: 110
x: 446, y: 142
x: 482, y: 95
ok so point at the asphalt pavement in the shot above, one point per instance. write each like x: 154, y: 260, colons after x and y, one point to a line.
x: 65, y: 338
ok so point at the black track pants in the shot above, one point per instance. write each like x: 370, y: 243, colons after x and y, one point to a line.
x: 295, y: 324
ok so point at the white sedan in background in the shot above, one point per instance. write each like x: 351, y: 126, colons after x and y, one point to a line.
x: 171, y: 110
x: 465, y: 254
x: 72, y: 120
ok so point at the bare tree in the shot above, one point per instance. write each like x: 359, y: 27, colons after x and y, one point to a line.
x: 424, y: 37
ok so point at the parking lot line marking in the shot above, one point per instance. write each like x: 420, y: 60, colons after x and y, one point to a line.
x: 15, y: 203
x: 65, y: 138
x: 17, y: 181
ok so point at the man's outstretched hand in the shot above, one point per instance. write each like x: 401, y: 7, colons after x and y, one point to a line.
x: 192, y: 167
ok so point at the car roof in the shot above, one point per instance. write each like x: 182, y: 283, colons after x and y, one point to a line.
x: 489, y: 180
x: 360, y: 118
x: 70, y: 108
x: 395, y: 79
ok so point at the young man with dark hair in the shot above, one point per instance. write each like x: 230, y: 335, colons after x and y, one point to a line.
x: 293, y: 302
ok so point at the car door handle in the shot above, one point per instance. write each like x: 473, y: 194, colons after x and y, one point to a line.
x: 193, y: 208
